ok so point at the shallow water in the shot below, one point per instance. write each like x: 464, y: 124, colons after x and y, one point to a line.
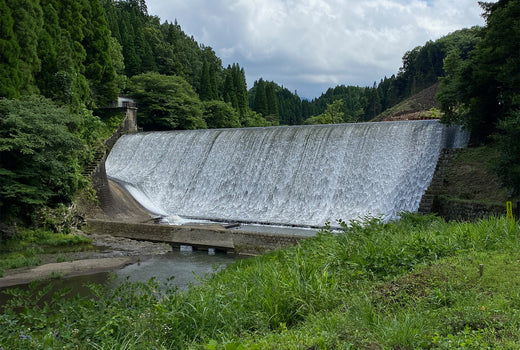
x: 183, y: 265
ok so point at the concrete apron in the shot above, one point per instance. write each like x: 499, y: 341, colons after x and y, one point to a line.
x: 201, y: 237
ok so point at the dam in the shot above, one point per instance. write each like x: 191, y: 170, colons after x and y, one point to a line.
x: 291, y: 175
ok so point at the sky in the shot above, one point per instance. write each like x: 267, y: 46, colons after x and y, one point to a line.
x: 310, y: 45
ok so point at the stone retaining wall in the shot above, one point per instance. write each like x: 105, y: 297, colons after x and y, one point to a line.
x: 452, y: 209
x: 199, y: 237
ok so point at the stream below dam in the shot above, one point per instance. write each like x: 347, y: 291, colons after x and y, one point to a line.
x: 180, y: 268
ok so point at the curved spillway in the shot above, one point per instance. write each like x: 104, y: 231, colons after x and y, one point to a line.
x: 297, y: 175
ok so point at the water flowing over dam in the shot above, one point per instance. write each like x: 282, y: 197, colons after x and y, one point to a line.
x: 294, y: 175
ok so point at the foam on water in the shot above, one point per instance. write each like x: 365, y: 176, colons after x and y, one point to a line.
x: 298, y: 175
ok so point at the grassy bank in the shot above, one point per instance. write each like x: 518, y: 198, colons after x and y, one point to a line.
x: 471, y: 176
x: 416, y: 283
x: 26, y: 247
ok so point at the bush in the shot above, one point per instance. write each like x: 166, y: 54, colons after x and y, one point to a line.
x: 38, y: 156
x: 508, y: 167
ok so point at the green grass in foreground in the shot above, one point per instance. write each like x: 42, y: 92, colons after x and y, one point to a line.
x: 23, y: 249
x: 410, y: 284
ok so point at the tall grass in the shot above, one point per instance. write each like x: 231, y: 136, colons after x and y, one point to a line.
x: 24, y: 248
x: 413, y: 283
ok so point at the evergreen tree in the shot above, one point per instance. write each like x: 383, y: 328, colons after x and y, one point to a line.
x: 99, y: 69
x: 48, y: 48
x: 28, y: 21
x: 229, y: 89
x: 482, y: 87
x: 260, y: 101
x: 131, y: 59
x: 205, y: 92
x: 272, y: 103
x: 10, y: 71
x: 373, y: 107
x: 240, y: 88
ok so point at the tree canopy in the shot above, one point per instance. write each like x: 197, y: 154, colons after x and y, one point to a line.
x: 482, y: 86
x: 166, y: 102
x: 39, y: 155
x: 481, y: 89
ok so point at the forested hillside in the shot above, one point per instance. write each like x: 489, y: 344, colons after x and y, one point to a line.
x: 120, y: 41
x: 59, y: 49
x: 69, y: 57
x: 217, y: 95
x: 421, y: 68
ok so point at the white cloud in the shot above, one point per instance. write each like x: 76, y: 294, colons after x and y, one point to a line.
x: 310, y: 45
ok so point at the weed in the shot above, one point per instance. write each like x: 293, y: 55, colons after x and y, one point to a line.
x: 414, y: 283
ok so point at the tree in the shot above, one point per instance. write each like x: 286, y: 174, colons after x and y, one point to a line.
x: 333, y: 114
x: 48, y: 46
x: 508, y: 166
x: 219, y: 114
x: 206, y: 92
x: 240, y: 88
x: 166, y: 102
x: 99, y: 69
x: 38, y: 156
x: 272, y: 103
x: 228, y: 90
x: 484, y: 88
x: 373, y: 104
x: 260, y: 102
x: 28, y: 21
x: 10, y: 72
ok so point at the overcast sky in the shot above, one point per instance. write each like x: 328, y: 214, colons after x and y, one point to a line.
x: 311, y: 45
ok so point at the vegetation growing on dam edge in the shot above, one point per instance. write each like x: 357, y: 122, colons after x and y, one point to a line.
x: 415, y: 283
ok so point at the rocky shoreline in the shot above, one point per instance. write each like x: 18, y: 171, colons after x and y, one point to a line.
x: 109, y: 253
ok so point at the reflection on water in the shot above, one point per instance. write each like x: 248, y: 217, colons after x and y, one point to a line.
x: 183, y: 265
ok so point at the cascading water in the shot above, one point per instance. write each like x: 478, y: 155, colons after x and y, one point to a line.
x: 297, y: 175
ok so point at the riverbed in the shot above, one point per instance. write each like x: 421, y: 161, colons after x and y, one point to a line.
x: 116, y: 259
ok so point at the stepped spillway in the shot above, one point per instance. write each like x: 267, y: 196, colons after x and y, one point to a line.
x: 295, y: 175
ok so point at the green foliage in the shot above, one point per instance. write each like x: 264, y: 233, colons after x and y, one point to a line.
x: 99, y: 69
x: 166, y: 102
x: 56, y: 48
x: 333, y: 114
x: 28, y: 21
x: 265, y: 100
x: 39, y: 155
x: 24, y: 248
x: 410, y: 284
x: 10, y: 71
x: 482, y: 85
x: 218, y: 114
x: 507, y: 139
x: 253, y: 119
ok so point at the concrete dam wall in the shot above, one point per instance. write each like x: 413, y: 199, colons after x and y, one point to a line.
x: 295, y: 176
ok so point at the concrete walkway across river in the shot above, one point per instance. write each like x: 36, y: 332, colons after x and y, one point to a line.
x: 198, y: 236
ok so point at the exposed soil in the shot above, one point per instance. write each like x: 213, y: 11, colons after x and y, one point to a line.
x: 413, y: 108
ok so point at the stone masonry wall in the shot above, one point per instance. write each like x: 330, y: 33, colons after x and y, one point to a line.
x: 459, y: 210
x: 99, y: 175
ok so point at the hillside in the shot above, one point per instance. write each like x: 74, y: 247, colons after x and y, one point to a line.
x: 470, y: 176
x: 415, y: 107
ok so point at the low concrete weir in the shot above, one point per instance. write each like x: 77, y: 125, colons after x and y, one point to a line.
x: 197, y: 236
